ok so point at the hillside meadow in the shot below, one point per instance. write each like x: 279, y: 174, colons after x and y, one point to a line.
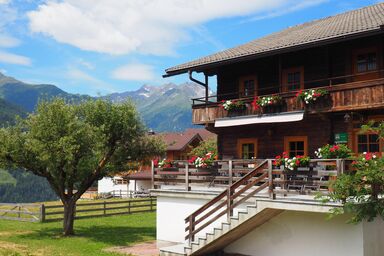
x: 93, y: 236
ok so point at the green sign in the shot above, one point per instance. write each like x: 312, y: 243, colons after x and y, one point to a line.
x: 341, y: 138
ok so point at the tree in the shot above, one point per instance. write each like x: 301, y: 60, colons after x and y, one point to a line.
x: 361, y: 190
x: 72, y: 146
x: 209, y: 145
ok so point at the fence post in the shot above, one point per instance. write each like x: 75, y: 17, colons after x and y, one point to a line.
x: 105, y: 208
x: 186, y: 177
x: 42, y: 213
x: 19, y: 210
x: 151, y: 203
x: 191, y: 228
x: 129, y: 207
x: 338, y: 167
x: 230, y: 173
x: 270, y: 180
x: 152, y: 174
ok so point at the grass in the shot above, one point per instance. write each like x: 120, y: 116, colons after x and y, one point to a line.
x: 93, y: 235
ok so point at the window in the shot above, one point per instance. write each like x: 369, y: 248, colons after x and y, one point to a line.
x: 247, y: 86
x: 120, y: 182
x: 368, y: 143
x: 247, y: 148
x: 293, y: 79
x: 296, y: 145
x: 366, y: 62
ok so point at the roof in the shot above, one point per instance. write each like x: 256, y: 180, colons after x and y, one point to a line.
x: 178, y: 141
x: 360, y: 22
x: 140, y: 175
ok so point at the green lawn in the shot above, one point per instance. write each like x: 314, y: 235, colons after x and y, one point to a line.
x: 92, y: 235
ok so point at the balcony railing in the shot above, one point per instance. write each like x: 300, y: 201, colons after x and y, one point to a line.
x: 345, y: 93
x: 315, y: 177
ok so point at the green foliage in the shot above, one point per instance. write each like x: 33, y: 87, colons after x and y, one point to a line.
x: 209, y: 145
x: 361, y: 191
x: 6, y: 178
x: 72, y: 146
x: 341, y: 151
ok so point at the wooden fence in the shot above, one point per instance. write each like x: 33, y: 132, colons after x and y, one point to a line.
x: 49, y: 213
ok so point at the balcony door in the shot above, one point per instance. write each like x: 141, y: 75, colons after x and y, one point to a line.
x: 247, y: 148
x: 248, y: 86
x: 293, y: 79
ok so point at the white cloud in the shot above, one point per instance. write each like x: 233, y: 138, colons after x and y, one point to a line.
x: 81, y: 76
x: 4, y: 1
x: 11, y: 58
x: 134, y: 72
x: 7, y: 41
x: 150, y: 26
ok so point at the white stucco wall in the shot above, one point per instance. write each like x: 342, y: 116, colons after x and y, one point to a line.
x: 171, y: 214
x: 106, y: 185
x: 374, y: 237
x: 301, y: 233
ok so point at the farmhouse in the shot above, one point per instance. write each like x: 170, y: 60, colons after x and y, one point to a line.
x: 294, y: 91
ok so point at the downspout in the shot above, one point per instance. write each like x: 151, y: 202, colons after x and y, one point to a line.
x: 205, y: 84
x: 206, y: 118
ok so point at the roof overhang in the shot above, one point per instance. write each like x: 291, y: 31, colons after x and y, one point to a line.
x: 322, y: 42
x: 263, y: 119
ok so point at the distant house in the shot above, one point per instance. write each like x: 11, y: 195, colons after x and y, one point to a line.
x: 179, y: 145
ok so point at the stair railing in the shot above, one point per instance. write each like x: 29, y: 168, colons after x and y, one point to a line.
x: 226, y: 201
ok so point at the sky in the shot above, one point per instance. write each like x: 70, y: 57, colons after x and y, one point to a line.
x: 97, y: 47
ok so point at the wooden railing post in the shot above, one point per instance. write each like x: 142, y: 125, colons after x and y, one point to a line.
x: 230, y: 173
x: 338, y: 167
x: 152, y: 174
x: 270, y: 180
x: 187, y: 187
x: 229, y: 203
x: 42, y: 213
x: 191, y: 228
x: 151, y: 200
x: 105, y: 208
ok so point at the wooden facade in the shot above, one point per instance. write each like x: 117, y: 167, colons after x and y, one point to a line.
x: 352, y: 73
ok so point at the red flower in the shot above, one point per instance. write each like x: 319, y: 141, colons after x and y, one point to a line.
x: 297, y: 162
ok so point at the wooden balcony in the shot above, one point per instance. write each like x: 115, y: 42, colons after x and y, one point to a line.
x: 349, y: 96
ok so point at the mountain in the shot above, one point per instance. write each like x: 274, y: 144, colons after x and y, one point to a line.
x: 8, y: 112
x: 166, y: 107
x: 163, y: 108
x: 27, y: 95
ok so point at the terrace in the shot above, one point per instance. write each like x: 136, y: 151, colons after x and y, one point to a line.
x: 262, y: 175
x: 346, y: 93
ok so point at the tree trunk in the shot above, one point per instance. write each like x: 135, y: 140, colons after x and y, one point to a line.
x: 69, y: 216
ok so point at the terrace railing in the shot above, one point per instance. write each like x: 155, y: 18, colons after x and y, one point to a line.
x: 243, y: 179
x: 346, y: 93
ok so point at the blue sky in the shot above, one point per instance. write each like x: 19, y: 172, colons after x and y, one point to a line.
x: 101, y: 46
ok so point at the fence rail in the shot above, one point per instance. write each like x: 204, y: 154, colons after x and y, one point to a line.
x: 50, y: 213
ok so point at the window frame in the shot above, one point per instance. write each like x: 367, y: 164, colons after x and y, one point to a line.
x: 288, y: 139
x: 242, y: 141
x: 365, y: 51
x: 242, y: 79
x: 287, y: 71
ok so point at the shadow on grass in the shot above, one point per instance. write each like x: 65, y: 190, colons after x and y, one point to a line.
x: 109, y: 235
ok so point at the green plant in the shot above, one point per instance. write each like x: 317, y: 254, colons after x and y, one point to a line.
x: 333, y: 151
x: 291, y: 163
x: 232, y: 105
x: 269, y: 101
x: 311, y: 95
x: 209, y: 145
x: 360, y: 191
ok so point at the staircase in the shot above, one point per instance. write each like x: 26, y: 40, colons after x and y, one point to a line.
x: 201, y: 242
